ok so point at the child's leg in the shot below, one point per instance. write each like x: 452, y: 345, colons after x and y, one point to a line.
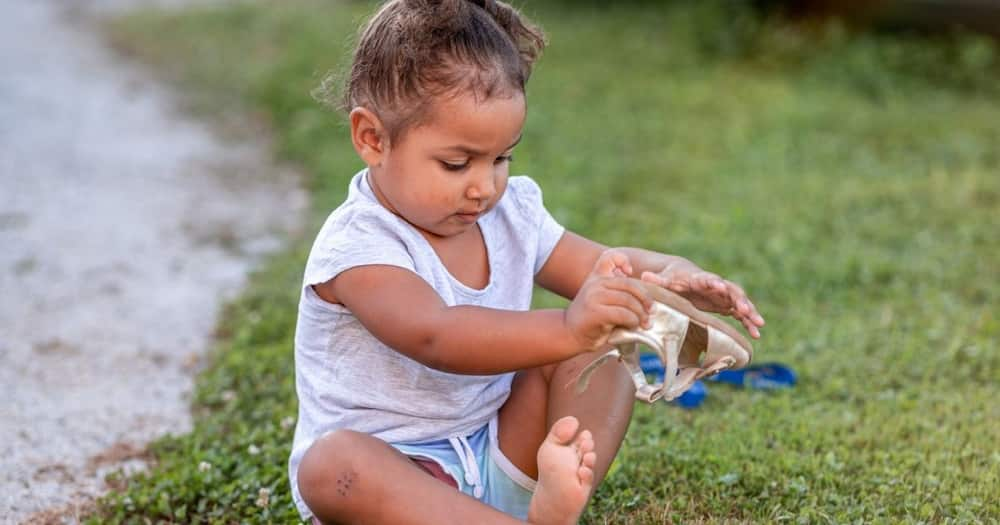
x: 349, y: 477
x: 541, y: 396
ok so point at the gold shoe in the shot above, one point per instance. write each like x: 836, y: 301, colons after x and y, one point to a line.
x: 691, y: 344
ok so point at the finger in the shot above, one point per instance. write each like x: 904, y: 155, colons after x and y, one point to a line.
x: 605, y: 265
x: 718, y: 298
x: 620, y: 316
x: 758, y: 319
x: 722, y: 297
x: 748, y: 323
x: 610, y: 261
x: 751, y: 327
x: 752, y: 314
x: 744, y: 305
x: 708, y: 280
x: 624, y: 299
x: 715, y: 289
x: 622, y: 262
x: 633, y: 287
x: 682, y: 286
x: 678, y: 283
x: 738, y: 298
x: 709, y: 285
x: 653, y: 278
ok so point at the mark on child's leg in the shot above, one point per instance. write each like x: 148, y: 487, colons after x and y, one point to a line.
x: 345, y: 481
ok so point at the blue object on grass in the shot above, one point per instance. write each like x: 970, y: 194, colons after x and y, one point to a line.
x: 651, y: 364
x: 694, y: 396
x: 767, y: 376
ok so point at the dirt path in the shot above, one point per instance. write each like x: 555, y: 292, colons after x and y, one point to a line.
x: 123, y: 226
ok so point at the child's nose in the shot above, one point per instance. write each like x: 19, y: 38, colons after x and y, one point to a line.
x: 483, y: 186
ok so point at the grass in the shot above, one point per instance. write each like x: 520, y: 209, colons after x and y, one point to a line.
x: 850, y: 181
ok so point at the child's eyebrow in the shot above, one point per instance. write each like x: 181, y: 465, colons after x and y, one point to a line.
x: 475, y: 152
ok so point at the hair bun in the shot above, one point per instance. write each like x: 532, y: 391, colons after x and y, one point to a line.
x: 439, y: 15
x: 488, y: 5
x: 413, y: 50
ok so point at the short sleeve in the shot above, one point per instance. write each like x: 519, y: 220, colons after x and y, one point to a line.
x: 364, y: 235
x: 528, y: 196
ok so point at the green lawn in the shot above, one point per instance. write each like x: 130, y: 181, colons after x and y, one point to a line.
x: 850, y: 181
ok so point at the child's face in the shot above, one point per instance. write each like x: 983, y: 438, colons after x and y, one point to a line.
x: 443, y: 175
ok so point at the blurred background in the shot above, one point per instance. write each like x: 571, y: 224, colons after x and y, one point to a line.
x: 838, y: 159
x: 935, y: 15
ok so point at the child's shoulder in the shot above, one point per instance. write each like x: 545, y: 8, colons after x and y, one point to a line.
x: 360, y: 210
x: 360, y: 223
x: 353, y: 215
x: 525, y: 193
x: 359, y: 232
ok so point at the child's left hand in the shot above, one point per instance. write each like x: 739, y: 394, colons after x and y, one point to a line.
x: 708, y: 292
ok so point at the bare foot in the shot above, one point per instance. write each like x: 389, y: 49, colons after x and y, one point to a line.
x: 565, y: 474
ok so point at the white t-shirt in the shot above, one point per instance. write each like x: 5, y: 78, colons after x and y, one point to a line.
x: 345, y: 378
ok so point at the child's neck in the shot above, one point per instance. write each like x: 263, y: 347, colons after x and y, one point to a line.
x: 464, y: 256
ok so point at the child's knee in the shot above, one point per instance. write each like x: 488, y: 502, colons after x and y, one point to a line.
x: 329, y: 469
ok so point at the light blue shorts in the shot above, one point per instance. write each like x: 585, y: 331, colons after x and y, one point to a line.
x: 479, y: 468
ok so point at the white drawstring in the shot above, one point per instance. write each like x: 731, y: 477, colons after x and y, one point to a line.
x: 469, y: 464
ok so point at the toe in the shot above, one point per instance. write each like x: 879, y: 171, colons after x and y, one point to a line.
x: 585, y: 445
x: 586, y: 476
x: 563, y: 430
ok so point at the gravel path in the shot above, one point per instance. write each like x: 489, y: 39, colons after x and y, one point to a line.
x: 123, y: 226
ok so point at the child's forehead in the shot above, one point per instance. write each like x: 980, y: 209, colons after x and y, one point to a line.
x: 465, y: 119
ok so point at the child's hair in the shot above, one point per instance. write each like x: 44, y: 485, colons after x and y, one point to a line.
x: 413, y: 51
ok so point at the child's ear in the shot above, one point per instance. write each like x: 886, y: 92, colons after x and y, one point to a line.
x: 369, y: 136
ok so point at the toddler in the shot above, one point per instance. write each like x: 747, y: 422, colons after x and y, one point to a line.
x: 428, y: 392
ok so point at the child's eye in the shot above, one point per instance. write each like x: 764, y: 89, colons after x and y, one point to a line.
x: 454, y: 167
x: 504, y: 158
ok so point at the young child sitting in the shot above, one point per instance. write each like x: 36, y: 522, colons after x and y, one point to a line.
x: 428, y: 392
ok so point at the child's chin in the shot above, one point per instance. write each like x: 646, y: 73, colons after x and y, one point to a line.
x: 449, y: 229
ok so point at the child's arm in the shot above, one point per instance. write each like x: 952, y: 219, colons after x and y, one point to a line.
x: 567, y: 267
x: 405, y: 313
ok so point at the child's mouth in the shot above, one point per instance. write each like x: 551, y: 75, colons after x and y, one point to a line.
x: 468, y: 217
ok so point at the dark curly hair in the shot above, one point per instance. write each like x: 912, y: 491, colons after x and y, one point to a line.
x: 412, y: 51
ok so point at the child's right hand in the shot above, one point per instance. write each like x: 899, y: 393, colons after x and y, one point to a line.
x: 608, y: 299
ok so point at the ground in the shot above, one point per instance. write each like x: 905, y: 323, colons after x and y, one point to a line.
x: 125, y: 224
